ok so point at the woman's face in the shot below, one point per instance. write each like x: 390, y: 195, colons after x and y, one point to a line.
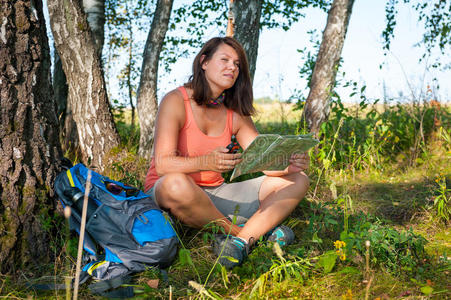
x: 222, y: 70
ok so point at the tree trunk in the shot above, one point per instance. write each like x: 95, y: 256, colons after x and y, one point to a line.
x: 130, y: 64
x: 147, y: 91
x: 68, y: 128
x: 316, y: 109
x: 29, y: 146
x: 88, y: 99
x: 247, y: 28
x: 95, y: 11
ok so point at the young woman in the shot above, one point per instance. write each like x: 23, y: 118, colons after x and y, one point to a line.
x: 194, y: 125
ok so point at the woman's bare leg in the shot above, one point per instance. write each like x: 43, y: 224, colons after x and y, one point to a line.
x: 279, y: 196
x: 178, y: 193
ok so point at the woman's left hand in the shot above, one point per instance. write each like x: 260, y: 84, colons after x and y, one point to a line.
x: 298, y: 163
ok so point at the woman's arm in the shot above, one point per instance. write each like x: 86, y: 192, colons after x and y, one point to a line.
x: 170, y: 119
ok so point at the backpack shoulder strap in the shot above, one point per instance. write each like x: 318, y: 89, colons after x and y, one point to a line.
x: 102, y: 287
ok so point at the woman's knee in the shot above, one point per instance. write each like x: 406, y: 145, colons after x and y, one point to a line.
x: 296, y: 183
x: 173, y: 189
x: 300, y: 182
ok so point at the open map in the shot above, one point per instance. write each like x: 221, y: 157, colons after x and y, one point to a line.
x: 272, y: 152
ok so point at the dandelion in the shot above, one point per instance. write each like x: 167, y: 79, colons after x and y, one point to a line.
x: 343, y: 256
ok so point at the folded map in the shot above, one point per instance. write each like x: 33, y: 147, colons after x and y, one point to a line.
x: 270, y: 152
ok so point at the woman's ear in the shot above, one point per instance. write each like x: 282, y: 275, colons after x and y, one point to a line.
x: 202, y: 63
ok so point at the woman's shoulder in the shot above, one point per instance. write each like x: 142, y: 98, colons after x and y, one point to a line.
x: 172, y: 105
x: 173, y: 97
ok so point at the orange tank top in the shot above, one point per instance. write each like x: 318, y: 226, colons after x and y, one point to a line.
x: 193, y: 142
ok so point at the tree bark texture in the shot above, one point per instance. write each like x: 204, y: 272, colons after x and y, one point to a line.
x: 95, y: 12
x: 88, y: 99
x: 247, y: 28
x: 29, y: 145
x: 147, y: 91
x: 317, y: 109
x: 68, y: 128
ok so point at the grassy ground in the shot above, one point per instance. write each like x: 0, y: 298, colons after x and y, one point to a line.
x: 391, y: 205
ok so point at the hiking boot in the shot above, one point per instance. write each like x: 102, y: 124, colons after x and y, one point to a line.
x: 281, y: 234
x: 230, y: 249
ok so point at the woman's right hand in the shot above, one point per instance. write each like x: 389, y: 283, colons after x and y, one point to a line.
x: 219, y: 160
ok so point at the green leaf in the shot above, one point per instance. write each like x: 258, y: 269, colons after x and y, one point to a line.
x: 343, y: 236
x: 225, y: 278
x: 326, y: 163
x: 327, y: 261
x: 427, y: 290
x: 232, y: 259
x: 331, y: 221
x: 185, y: 257
x: 316, y: 239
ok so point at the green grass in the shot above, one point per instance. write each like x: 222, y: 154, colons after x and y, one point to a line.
x: 386, y: 196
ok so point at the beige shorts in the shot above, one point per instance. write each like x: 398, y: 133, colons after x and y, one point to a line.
x: 238, y: 199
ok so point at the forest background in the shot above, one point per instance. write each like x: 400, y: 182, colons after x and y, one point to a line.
x: 375, y: 223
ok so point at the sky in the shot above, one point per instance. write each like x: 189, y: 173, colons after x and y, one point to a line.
x: 278, y: 61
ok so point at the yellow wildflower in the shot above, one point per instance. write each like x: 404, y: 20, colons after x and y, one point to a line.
x: 339, y: 244
x: 347, y: 296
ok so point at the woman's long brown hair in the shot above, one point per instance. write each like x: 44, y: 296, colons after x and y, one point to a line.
x: 239, y: 97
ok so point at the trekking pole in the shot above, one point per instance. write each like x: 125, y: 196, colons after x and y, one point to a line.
x: 68, y: 279
x: 82, y: 234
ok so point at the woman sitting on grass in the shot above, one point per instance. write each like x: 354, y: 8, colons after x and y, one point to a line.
x: 194, y: 125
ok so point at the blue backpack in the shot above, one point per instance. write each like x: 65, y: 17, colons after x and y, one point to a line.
x: 126, y: 231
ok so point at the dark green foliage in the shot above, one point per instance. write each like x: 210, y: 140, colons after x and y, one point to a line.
x: 434, y: 14
x: 129, y: 134
x: 390, y: 16
x: 283, y: 13
x: 197, y: 18
x: 401, y: 252
x: 377, y: 137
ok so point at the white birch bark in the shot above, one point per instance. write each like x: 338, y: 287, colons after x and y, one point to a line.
x: 87, y: 97
x: 316, y: 109
x: 247, y: 28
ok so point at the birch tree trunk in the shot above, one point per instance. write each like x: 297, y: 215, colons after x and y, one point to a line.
x: 147, y: 90
x: 88, y: 99
x: 95, y: 11
x: 247, y: 28
x: 316, y: 109
x: 29, y: 146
